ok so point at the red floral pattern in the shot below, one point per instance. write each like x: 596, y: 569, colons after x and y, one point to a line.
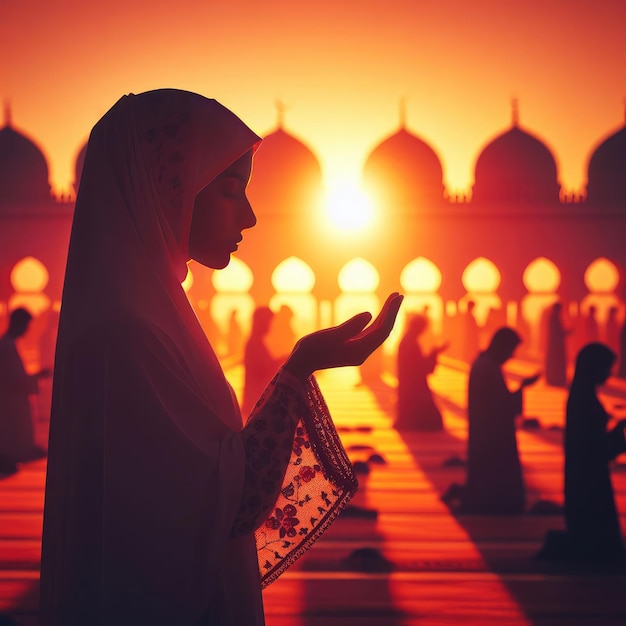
x: 298, y: 476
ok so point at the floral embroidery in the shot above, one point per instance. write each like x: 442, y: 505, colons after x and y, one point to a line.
x: 296, y: 469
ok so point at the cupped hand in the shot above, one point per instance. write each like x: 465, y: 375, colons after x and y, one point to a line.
x: 349, y: 343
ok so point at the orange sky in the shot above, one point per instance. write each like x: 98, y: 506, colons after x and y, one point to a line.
x: 340, y: 66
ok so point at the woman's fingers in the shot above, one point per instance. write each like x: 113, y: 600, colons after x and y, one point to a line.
x: 383, y: 324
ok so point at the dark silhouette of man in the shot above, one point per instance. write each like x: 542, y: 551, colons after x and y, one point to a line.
x: 17, y: 439
x: 495, y: 484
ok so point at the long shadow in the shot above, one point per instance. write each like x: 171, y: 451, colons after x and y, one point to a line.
x: 362, y: 561
x: 477, y: 528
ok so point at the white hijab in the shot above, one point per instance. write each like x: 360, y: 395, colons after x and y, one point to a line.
x: 146, y: 160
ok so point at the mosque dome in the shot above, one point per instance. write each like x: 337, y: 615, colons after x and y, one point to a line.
x: 606, y: 173
x: 23, y: 169
x: 516, y: 168
x: 286, y: 175
x: 404, y: 170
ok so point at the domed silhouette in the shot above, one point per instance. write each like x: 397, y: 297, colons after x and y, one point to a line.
x: 606, y: 173
x: 516, y: 168
x: 23, y: 169
x: 404, y: 171
x: 286, y: 175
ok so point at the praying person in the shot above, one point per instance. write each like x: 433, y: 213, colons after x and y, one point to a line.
x: 17, y: 436
x: 163, y: 505
x: 495, y: 484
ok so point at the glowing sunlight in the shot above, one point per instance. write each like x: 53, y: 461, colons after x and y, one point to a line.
x: 348, y: 207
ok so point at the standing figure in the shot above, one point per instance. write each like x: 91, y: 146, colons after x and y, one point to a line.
x: 259, y: 365
x: 556, y: 352
x: 17, y: 437
x: 593, y: 528
x: 592, y: 326
x: 495, y: 484
x: 163, y: 506
x: 416, y: 408
x: 470, y: 334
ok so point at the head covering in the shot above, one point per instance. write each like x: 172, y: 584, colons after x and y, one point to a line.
x: 146, y: 160
x: 502, y: 344
x: 593, y: 363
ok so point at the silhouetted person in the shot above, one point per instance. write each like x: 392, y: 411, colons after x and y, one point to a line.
x: 259, y: 365
x: 281, y: 337
x: 593, y: 529
x: 556, y: 350
x: 495, y: 484
x: 17, y: 437
x: 416, y: 408
x: 592, y: 326
x: 155, y: 484
x: 470, y: 334
x: 613, y: 329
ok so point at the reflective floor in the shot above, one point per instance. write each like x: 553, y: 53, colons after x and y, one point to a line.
x: 398, y: 557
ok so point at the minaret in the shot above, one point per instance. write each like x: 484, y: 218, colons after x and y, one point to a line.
x: 7, y: 113
x: 280, y: 113
x: 515, y: 112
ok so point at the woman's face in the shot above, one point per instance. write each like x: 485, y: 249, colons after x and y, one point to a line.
x: 221, y: 212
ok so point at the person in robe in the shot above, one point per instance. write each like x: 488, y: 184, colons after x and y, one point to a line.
x: 470, y: 333
x: 592, y: 325
x: 259, y: 365
x: 17, y: 436
x: 416, y: 408
x: 163, y: 505
x: 593, y: 529
x: 495, y: 484
x: 556, y: 350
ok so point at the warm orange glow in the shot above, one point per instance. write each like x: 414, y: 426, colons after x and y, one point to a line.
x: 29, y: 275
x: 36, y: 303
x: 421, y: 275
x: 236, y: 277
x: 601, y: 276
x: 349, y: 207
x: 542, y: 276
x: 187, y: 284
x: 358, y: 276
x: 342, y: 103
x: 293, y: 275
x: 481, y: 276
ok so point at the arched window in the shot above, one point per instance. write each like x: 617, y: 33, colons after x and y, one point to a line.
x: 293, y: 281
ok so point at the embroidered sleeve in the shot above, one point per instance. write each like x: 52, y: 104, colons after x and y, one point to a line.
x: 298, y: 475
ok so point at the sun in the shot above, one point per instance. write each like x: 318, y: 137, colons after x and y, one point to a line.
x: 348, y: 207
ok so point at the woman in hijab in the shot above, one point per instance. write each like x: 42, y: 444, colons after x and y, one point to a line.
x: 592, y: 523
x: 416, y: 408
x: 162, y: 507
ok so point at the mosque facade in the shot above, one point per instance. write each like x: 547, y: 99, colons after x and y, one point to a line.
x: 516, y: 245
